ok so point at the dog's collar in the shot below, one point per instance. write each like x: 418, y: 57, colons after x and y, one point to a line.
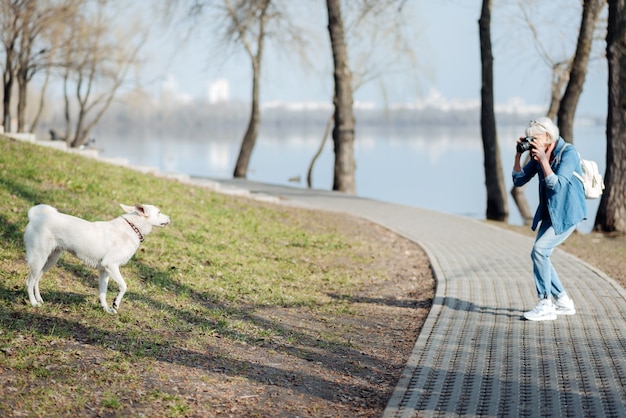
x: 137, y: 231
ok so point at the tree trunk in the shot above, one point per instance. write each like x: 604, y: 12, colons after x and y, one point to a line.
x: 42, y: 101
x: 309, y: 175
x: 7, y: 89
x: 560, y: 77
x: 497, y: 207
x: 611, y: 216
x: 343, y: 131
x: 252, y: 132
x: 569, y: 102
x: 74, y: 143
x: 23, y: 63
x: 522, y: 204
x: 22, y: 90
x: 66, y: 107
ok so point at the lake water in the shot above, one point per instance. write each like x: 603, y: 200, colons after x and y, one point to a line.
x: 439, y: 168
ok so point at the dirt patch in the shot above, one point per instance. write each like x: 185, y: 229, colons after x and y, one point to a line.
x: 310, y: 377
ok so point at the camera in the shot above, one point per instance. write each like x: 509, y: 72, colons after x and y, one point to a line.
x: 524, y: 144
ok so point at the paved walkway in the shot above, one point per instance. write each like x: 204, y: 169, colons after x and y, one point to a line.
x: 475, y: 355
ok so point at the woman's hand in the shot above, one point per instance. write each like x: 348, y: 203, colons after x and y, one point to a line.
x: 539, y: 153
x: 519, y: 140
x: 517, y: 166
x: 542, y: 155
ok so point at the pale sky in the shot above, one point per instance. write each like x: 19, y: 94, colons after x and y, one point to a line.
x: 445, y: 42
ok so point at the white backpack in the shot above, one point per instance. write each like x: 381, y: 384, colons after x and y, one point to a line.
x: 591, y: 178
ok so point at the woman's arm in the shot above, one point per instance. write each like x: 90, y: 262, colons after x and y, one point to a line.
x: 564, y: 170
x: 521, y: 176
x: 517, y: 166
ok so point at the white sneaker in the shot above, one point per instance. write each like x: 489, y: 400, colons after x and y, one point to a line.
x: 564, y: 306
x: 544, y: 311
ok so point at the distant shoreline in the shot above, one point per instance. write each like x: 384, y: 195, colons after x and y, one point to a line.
x: 199, y: 118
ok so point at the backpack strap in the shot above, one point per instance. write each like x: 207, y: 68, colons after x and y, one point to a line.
x: 558, y: 161
x: 558, y: 157
x: 579, y: 177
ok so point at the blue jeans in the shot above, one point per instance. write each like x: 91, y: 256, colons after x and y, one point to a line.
x: 546, y: 280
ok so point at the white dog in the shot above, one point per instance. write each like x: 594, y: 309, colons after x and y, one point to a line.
x: 102, y: 245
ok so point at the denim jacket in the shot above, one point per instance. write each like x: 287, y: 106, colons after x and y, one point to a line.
x: 561, y: 195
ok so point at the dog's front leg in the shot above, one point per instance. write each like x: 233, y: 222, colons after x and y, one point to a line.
x: 115, y: 274
x: 102, y: 288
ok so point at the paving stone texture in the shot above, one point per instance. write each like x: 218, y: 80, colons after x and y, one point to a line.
x: 476, y: 355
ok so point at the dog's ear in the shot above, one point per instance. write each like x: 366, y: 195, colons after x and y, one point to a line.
x: 140, y: 209
x: 127, y: 209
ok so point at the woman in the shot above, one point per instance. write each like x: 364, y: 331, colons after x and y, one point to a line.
x: 561, y: 207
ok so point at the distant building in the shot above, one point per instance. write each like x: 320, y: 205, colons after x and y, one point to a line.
x: 219, y: 91
x: 169, y: 86
x: 170, y: 91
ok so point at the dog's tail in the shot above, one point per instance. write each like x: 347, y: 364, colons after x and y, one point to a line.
x: 35, y: 211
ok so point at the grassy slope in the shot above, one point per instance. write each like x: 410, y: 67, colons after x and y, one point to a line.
x: 200, y: 278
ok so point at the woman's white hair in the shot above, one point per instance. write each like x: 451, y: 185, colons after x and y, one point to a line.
x: 543, y: 125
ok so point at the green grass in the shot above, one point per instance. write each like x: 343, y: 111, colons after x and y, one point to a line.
x: 203, y: 277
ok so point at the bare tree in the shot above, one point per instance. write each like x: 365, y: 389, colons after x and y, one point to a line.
x: 560, y: 67
x: 578, y: 72
x: 369, y: 27
x: 45, y: 59
x: 35, y: 48
x: 611, y: 216
x: 497, y: 207
x: 248, y: 24
x: 10, y: 27
x: 343, y: 130
x: 374, y: 26
x: 97, y: 58
x: 93, y: 60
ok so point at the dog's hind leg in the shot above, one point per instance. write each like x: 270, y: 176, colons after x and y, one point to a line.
x: 33, y: 279
x: 115, y: 274
x: 51, y: 262
x: 102, y: 290
x: 37, y: 266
